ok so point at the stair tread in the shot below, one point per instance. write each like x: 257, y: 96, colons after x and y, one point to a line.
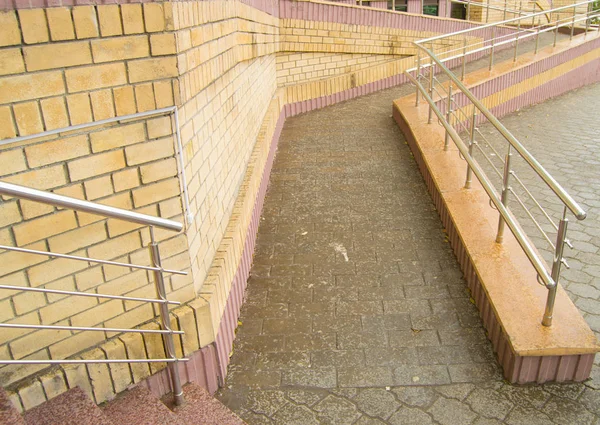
x: 9, y: 415
x: 71, y: 408
x: 202, y: 408
x: 139, y: 406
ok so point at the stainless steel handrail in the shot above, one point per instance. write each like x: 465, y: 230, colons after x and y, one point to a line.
x: 567, y: 199
x: 88, y: 328
x: 504, y: 22
x: 122, y: 119
x: 48, y: 198
x: 525, y: 33
x: 88, y: 259
x: 87, y: 294
x: 549, y: 278
x: 94, y: 361
x: 22, y: 192
x: 537, y: 263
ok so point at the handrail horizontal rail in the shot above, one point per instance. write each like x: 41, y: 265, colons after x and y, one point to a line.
x: 527, y: 33
x: 567, y: 199
x: 35, y: 195
x: 93, y: 361
x: 90, y: 260
x: 98, y: 123
x: 87, y: 294
x: 537, y: 262
x: 502, y: 23
x: 86, y: 328
x: 485, y: 6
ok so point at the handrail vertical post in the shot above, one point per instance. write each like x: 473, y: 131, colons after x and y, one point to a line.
x: 165, y: 323
x: 487, y: 11
x: 518, y: 31
x: 469, y: 10
x: 504, y: 196
x: 492, y: 49
x: 556, y: 29
x: 573, y: 23
x: 587, y: 21
x: 448, y: 116
x: 556, y: 264
x: 418, y: 75
x: 471, y: 144
x: 431, y: 82
x: 464, y: 59
x: 537, y: 39
x: 505, y: 7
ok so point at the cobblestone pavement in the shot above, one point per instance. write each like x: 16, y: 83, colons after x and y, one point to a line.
x: 356, y: 309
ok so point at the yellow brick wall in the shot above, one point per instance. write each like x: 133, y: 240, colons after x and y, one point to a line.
x: 220, y: 62
x: 310, y: 36
x: 130, y: 166
x: 293, y: 68
x: 68, y: 66
x: 226, y: 57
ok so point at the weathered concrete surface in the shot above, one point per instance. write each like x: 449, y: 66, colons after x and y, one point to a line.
x: 356, y: 311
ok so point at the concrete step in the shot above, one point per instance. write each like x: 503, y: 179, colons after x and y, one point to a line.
x: 71, y: 408
x: 202, y: 408
x: 139, y: 406
x: 8, y: 414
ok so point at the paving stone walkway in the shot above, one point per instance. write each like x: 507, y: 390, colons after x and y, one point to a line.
x: 356, y: 309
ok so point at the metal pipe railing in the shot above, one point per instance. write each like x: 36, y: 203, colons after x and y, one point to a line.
x: 503, y: 23
x: 567, y: 199
x: 87, y: 294
x: 87, y: 328
x: 452, y: 122
x: 121, y: 119
x: 49, y: 198
x: 88, y: 260
x: 529, y: 250
x: 93, y: 361
x: 509, y: 39
x: 22, y: 192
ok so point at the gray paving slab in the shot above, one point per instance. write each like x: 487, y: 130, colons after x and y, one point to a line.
x: 356, y: 309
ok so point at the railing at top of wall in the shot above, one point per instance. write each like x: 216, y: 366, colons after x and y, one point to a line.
x: 460, y: 119
x: 166, y: 332
x: 170, y: 110
x: 484, y: 39
x: 507, y: 7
